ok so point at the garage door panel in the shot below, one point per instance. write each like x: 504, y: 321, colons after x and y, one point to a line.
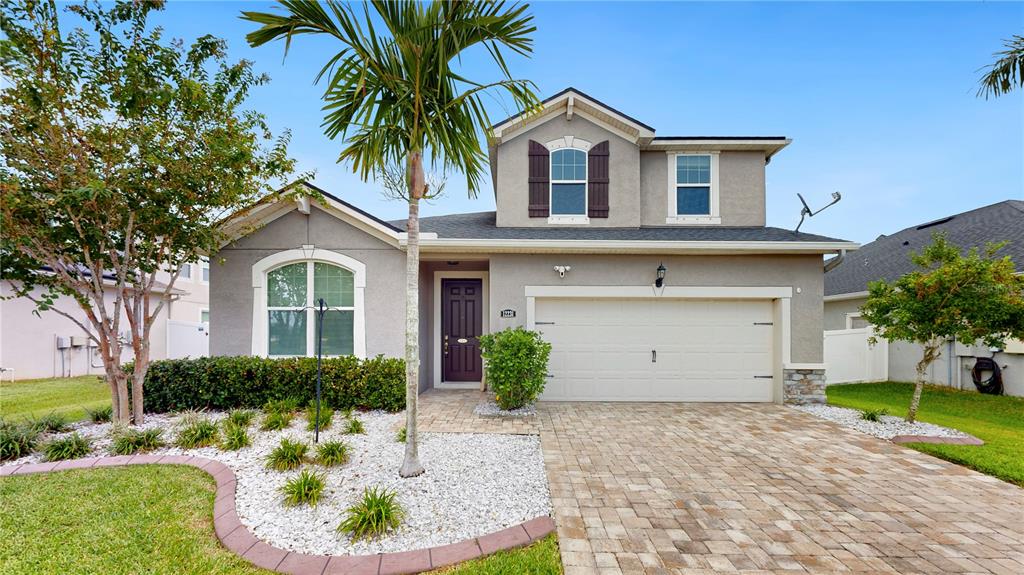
x: 707, y: 350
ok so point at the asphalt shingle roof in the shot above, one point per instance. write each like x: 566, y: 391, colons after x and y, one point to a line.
x: 888, y: 257
x: 481, y: 225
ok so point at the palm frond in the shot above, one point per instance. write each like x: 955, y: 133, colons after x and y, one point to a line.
x: 1007, y: 73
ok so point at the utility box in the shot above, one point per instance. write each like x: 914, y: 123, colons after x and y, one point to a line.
x: 63, y: 342
x: 79, y: 341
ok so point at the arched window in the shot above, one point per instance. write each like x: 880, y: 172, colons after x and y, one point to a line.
x: 293, y: 293
x: 568, y: 182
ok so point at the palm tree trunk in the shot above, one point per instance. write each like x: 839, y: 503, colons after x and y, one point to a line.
x: 411, y: 466
x: 930, y: 354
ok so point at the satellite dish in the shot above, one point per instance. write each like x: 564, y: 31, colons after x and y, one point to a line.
x: 807, y: 212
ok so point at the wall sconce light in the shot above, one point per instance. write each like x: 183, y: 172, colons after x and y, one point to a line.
x: 661, y: 276
x: 562, y: 270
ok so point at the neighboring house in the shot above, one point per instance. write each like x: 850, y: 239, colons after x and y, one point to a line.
x: 48, y: 344
x: 888, y: 258
x: 592, y: 209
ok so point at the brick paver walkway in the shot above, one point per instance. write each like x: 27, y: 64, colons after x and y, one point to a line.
x: 695, y: 488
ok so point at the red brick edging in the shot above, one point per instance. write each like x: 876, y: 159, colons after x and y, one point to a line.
x: 237, y: 538
x: 969, y: 440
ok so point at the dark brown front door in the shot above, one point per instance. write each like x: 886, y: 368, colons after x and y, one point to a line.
x: 461, y: 324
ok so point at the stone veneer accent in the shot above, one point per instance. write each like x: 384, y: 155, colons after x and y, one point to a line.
x: 237, y: 538
x: 803, y: 386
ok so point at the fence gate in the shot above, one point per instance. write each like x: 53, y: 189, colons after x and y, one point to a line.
x: 187, y: 339
x: 851, y: 359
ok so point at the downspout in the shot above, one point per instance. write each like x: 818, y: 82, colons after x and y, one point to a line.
x: 949, y: 361
x: 832, y: 263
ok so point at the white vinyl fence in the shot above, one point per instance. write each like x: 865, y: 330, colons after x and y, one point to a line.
x: 851, y: 359
x: 187, y: 339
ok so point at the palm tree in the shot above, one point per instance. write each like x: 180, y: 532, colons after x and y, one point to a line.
x: 394, y: 97
x: 1007, y: 72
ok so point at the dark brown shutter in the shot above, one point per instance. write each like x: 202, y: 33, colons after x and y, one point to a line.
x: 597, y: 181
x: 540, y: 175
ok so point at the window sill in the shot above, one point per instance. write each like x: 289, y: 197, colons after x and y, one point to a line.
x: 693, y: 220
x: 574, y: 220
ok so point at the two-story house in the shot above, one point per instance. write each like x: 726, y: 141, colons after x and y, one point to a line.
x: 643, y: 259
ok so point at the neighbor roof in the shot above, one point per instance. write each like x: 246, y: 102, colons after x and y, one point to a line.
x: 888, y: 257
x: 481, y: 225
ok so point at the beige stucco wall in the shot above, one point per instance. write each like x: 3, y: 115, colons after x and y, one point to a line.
x: 741, y: 181
x: 511, y: 273
x: 623, y: 172
x: 28, y: 342
x: 835, y: 312
x: 231, y: 293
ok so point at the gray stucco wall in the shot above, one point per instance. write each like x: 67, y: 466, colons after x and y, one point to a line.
x: 741, y: 182
x: 623, y: 172
x: 835, y: 312
x: 510, y: 273
x: 231, y: 304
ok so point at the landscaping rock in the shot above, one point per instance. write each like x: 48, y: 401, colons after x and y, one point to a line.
x: 491, y: 409
x: 887, y: 427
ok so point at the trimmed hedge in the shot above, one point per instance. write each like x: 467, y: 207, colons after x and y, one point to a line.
x: 225, y: 383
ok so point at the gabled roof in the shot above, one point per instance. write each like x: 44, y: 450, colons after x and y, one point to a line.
x: 888, y: 257
x: 571, y: 101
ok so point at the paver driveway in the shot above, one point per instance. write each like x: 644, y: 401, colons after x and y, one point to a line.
x: 692, y: 488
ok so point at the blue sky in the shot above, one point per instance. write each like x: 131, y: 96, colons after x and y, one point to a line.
x: 878, y: 98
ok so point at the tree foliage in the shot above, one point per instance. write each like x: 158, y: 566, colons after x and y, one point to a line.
x: 1007, y: 72
x: 973, y: 297
x: 120, y: 152
x: 395, y: 94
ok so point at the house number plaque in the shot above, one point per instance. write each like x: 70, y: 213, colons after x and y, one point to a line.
x: 508, y: 313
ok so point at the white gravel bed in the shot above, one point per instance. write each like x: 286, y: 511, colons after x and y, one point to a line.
x: 474, y: 484
x: 491, y: 409
x: 888, y: 427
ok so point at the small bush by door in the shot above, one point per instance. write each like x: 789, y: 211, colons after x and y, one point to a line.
x: 517, y: 365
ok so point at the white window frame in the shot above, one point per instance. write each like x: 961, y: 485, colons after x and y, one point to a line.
x: 309, y: 255
x: 181, y: 273
x: 573, y: 143
x: 204, y: 266
x: 201, y: 312
x: 713, y: 204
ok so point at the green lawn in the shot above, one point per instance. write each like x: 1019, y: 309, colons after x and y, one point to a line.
x: 152, y: 519
x: 67, y: 395
x: 541, y: 558
x: 997, y: 420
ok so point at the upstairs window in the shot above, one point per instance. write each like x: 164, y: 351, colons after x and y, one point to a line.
x: 186, y: 272
x: 569, y: 183
x: 205, y: 265
x: 693, y: 193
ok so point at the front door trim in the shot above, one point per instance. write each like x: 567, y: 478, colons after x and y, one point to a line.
x: 484, y: 277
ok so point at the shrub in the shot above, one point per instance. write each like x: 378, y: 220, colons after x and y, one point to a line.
x: 401, y: 436
x: 288, y: 455
x: 234, y: 436
x: 71, y: 447
x: 288, y: 405
x: 305, y: 488
x: 130, y: 441
x: 376, y: 514
x: 354, y: 426
x: 50, y: 423
x: 326, y: 415
x: 276, y: 421
x: 225, y: 383
x: 16, y: 440
x: 873, y: 414
x: 331, y: 453
x: 517, y: 365
x: 100, y: 414
x: 241, y: 417
x: 200, y: 432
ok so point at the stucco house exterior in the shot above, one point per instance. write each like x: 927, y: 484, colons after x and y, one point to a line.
x: 643, y: 259
x: 47, y: 344
x: 888, y: 258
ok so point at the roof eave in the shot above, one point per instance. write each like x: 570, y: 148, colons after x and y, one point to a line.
x: 629, y: 246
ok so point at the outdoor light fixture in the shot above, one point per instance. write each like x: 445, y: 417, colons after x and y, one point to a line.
x: 661, y: 276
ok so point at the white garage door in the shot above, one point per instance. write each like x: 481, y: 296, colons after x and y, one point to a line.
x: 657, y: 349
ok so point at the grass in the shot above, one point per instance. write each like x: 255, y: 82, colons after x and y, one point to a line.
x: 304, y: 489
x: 145, y: 519
x: 129, y: 441
x: 70, y: 396
x: 541, y: 558
x: 199, y: 432
x: 995, y: 419
x: 374, y: 515
x: 288, y: 455
x: 72, y: 446
x: 332, y: 453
